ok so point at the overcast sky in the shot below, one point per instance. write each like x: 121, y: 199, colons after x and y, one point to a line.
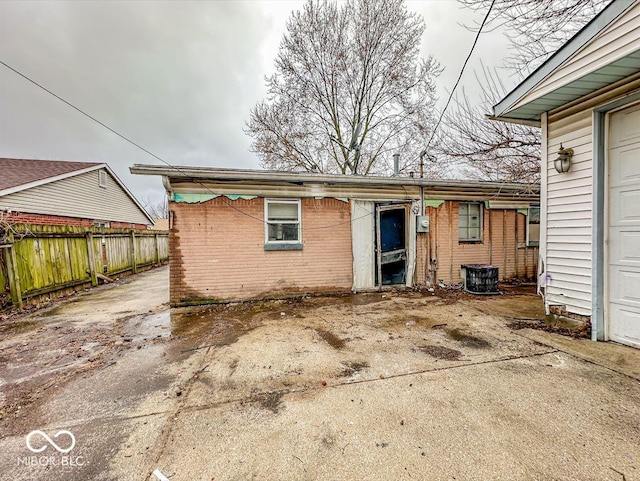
x: 178, y: 78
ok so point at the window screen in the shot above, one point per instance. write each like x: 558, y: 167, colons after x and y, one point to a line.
x: 470, y: 221
x: 533, y: 228
x: 283, y: 221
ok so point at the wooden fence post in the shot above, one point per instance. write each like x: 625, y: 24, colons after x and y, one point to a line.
x: 91, y: 252
x: 134, y: 252
x: 155, y: 243
x: 13, y: 273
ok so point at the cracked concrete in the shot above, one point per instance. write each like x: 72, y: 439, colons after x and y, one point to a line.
x: 372, y: 386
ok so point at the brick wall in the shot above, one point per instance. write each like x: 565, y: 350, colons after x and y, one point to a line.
x: 45, y: 219
x: 503, y: 245
x: 217, y: 253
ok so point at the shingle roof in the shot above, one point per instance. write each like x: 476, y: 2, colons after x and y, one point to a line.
x: 16, y: 172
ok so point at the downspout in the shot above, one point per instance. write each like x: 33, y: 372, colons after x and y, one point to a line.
x: 167, y: 186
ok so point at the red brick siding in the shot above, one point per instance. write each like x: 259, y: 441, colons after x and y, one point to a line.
x: 45, y: 219
x: 499, y: 246
x: 217, y: 253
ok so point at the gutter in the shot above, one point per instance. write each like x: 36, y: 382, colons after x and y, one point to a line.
x: 196, y: 174
x: 530, y: 123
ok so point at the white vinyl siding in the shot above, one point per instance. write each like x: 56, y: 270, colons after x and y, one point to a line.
x: 569, y: 215
x: 78, y: 196
x: 616, y: 41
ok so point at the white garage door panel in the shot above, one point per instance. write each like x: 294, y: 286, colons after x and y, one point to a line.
x: 626, y: 290
x: 624, y: 247
x: 628, y: 169
x: 624, y: 206
x: 624, y: 127
x: 625, y: 328
x: 623, y: 311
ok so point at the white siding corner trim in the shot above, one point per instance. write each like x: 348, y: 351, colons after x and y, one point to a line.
x: 542, y: 252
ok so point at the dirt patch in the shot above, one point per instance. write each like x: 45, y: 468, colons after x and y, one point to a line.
x: 351, y: 368
x: 441, y: 352
x: 331, y: 339
x: 582, y: 332
x: 271, y: 401
x: 406, y: 320
x: 468, y: 340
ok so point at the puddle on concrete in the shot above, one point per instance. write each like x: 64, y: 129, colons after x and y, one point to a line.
x: 441, y: 352
x: 468, y: 340
x: 213, y: 326
x: 18, y: 327
x: 331, y: 339
x: 153, y: 326
x: 56, y: 311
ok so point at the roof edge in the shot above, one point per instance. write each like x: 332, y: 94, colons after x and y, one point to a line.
x: 579, y: 40
x: 198, y: 174
x: 48, y: 180
x: 66, y: 175
x: 128, y: 192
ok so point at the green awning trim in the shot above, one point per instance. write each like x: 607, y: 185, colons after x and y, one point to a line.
x: 193, y: 198
x: 523, y: 211
x: 433, y: 203
x: 240, y: 196
x: 197, y: 198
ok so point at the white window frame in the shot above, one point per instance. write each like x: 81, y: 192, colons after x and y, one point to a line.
x: 102, y: 178
x: 267, y: 202
x: 481, y: 226
x: 531, y: 243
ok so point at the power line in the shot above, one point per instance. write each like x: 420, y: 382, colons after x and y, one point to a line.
x: 475, y: 41
x: 135, y: 144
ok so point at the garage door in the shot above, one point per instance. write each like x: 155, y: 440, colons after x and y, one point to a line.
x: 624, y: 227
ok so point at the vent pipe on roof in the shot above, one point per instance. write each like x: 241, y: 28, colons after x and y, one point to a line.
x: 396, y: 164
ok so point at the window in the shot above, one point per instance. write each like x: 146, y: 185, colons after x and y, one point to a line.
x: 103, y: 178
x: 533, y: 226
x: 470, y: 221
x: 282, y: 221
x: 100, y: 223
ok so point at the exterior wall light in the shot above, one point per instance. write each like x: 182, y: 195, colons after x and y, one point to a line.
x: 562, y: 163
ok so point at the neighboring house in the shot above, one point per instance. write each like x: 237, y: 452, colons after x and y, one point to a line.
x: 160, y: 224
x: 67, y: 193
x: 248, y: 234
x: 586, y: 98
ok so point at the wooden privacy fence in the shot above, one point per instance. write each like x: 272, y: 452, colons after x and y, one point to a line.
x: 39, y: 259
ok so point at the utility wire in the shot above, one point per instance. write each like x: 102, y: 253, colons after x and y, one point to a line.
x: 475, y: 41
x: 135, y: 144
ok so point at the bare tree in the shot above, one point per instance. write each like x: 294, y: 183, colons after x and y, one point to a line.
x: 489, y: 150
x: 156, y: 209
x: 349, y: 90
x: 497, y: 150
x: 537, y: 28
